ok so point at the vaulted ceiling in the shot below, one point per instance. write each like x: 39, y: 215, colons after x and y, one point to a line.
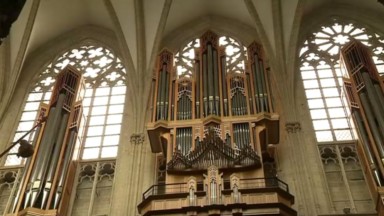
x: 142, y: 25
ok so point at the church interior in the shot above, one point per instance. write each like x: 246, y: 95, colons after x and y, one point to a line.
x: 198, y: 108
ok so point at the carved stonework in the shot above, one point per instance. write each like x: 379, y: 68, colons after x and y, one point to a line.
x: 235, y: 184
x: 213, y: 181
x: 292, y: 127
x: 137, y: 138
x: 192, y: 186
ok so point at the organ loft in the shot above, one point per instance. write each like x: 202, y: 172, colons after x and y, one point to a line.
x: 214, y: 131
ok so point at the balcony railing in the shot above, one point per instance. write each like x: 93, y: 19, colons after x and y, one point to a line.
x: 253, y: 183
x: 245, y: 184
x: 162, y: 189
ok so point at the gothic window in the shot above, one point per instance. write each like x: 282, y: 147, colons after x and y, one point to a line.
x: 103, y: 103
x: 234, y: 60
x: 322, y: 77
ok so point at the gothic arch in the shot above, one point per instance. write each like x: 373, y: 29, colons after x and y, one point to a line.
x: 221, y: 25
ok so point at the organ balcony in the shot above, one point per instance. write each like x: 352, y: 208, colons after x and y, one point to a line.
x: 214, y: 196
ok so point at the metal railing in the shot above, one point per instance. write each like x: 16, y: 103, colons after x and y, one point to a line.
x: 252, y: 183
x: 245, y: 184
x: 162, y: 189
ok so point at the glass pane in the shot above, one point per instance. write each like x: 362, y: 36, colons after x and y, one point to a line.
x: 114, y: 119
x: 112, y: 129
x: 95, y: 130
x: 102, y: 91
x: 114, y: 109
x: 47, y: 96
x: 325, y: 73
x: 311, y: 84
x: 324, y: 136
x: 91, y: 153
x: 111, y: 140
x: 35, y: 96
x: 333, y: 102
x: 343, y: 135
x: 336, y: 112
x: 109, y: 152
x: 119, y: 99
x: 31, y: 116
x: 87, y: 102
x: 327, y: 82
x: 330, y: 92
x: 25, y: 126
x: 99, y: 110
x: 313, y: 93
x: 13, y: 160
x: 88, y: 92
x: 100, y: 101
x: 316, y: 103
x: 321, y: 124
x: 97, y: 120
x: 308, y: 75
x: 92, y: 141
x: 318, y: 114
x: 31, y: 106
x: 18, y: 135
x: 339, y: 123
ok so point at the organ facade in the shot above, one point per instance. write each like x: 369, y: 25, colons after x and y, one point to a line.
x: 214, y: 132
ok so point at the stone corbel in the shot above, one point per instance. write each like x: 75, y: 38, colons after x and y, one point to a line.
x: 137, y: 138
x: 293, y: 127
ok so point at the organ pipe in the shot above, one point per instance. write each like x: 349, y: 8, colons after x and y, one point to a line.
x: 374, y: 101
x: 39, y: 185
x: 197, y: 89
x: 372, y: 123
x: 367, y: 149
x: 210, y: 87
x: 364, y: 84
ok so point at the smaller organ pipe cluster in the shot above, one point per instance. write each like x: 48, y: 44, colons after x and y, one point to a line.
x: 50, y: 168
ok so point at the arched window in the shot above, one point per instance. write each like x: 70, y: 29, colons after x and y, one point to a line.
x: 323, y: 84
x: 234, y: 51
x: 105, y: 77
x: 322, y: 77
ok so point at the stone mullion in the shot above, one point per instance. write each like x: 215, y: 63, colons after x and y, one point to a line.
x: 93, y: 192
x: 345, y: 179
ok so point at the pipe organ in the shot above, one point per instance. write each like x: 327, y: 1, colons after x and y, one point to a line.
x: 47, y: 182
x: 365, y: 93
x: 212, y: 107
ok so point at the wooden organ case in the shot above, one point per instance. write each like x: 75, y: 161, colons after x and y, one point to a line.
x: 364, y: 89
x: 213, y: 122
x: 48, y: 177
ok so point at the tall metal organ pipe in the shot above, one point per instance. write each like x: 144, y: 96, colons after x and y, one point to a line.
x: 366, y: 146
x: 374, y: 101
x: 372, y: 123
x: 40, y: 184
